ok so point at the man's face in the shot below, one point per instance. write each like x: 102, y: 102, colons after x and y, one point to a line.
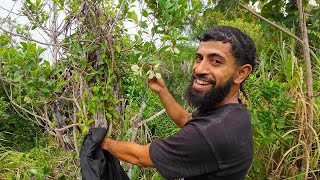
x: 213, y: 74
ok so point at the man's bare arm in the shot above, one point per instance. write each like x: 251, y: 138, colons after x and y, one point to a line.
x: 128, y: 151
x: 176, y: 112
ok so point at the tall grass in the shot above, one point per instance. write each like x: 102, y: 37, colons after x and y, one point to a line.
x: 49, y: 162
x: 283, y: 151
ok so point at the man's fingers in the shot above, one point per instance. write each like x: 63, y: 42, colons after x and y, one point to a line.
x: 152, y: 81
x: 160, y: 81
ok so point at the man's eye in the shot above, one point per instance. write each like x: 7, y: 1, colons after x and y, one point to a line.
x: 198, y: 59
x: 216, y: 61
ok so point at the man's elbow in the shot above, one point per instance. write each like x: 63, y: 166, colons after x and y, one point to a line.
x: 143, y: 159
x: 143, y: 162
x: 184, y: 119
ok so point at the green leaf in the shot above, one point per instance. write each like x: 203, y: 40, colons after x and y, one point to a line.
x: 95, y: 98
x: 176, y: 50
x: 53, y: 124
x: 61, y: 83
x: 24, y: 45
x: 135, y: 68
x: 183, y: 39
x: 17, y: 78
x: 38, y: 2
x: 54, y: 72
x: 31, y: 83
x: 46, y: 170
x: 50, y: 82
x: 143, y: 24
x: 109, y: 116
x: 37, y: 173
x: 27, y: 99
x: 132, y: 15
x: 34, y: 171
x: 42, y: 79
x: 118, y: 48
x: 75, y: 8
x: 168, y: 49
x: 156, y: 67
x: 45, y: 89
x: 84, y: 129
x: 46, y: 63
x: 145, y: 13
x: 166, y: 37
x: 57, y: 90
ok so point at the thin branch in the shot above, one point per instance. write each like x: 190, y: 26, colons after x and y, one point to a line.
x: 75, y: 131
x: 48, y: 44
x: 31, y: 113
x: 135, y: 131
x: 137, y: 122
x: 30, y: 16
x: 67, y: 127
x: 270, y: 22
x: 10, y: 11
x: 24, y: 37
x: 117, y: 16
x: 152, y: 117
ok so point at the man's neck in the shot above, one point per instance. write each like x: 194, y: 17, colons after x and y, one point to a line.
x: 232, y: 99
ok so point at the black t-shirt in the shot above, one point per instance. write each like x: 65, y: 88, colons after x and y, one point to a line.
x: 216, y: 144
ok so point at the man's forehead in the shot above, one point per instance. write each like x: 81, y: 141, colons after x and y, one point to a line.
x: 217, y: 47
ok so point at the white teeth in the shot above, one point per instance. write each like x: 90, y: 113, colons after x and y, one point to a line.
x: 201, y: 82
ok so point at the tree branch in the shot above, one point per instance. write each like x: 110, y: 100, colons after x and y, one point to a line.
x: 24, y: 37
x: 10, y: 11
x: 140, y: 123
x: 48, y: 44
x: 67, y: 127
x: 152, y: 117
x: 309, y: 107
x: 137, y: 122
x: 271, y: 23
x: 117, y: 16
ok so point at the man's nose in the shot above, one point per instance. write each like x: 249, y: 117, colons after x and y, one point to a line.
x: 201, y: 68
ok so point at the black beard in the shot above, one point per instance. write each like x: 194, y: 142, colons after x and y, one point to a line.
x: 208, y: 100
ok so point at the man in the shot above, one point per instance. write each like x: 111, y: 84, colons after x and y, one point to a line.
x: 215, y: 142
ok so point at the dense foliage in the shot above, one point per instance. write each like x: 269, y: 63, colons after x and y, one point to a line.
x: 48, y: 105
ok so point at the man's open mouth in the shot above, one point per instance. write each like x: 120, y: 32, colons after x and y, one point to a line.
x: 202, y: 85
x: 202, y: 82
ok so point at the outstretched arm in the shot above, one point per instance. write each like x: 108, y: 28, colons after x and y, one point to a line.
x: 128, y: 151
x: 176, y: 112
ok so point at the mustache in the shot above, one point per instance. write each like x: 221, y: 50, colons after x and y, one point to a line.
x: 203, y: 77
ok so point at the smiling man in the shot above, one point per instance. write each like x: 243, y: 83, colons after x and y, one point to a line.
x: 215, y: 142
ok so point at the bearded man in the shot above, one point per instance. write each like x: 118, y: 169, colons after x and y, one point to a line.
x: 215, y: 141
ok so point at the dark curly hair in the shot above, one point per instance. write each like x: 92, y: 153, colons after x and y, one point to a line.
x: 242, y: 46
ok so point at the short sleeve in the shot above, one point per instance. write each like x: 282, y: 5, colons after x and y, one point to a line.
x: 184, y: 154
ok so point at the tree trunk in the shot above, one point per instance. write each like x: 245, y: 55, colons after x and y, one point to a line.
x: 309, y: 116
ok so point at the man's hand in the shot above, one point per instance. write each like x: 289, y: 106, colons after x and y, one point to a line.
x: 157, y: 85
x: 177, y: 113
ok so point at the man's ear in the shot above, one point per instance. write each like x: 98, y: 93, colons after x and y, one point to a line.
x: 242, y: 73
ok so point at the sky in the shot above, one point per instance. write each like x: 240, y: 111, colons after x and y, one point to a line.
x: 8, y: 5
x: 14, y: 7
